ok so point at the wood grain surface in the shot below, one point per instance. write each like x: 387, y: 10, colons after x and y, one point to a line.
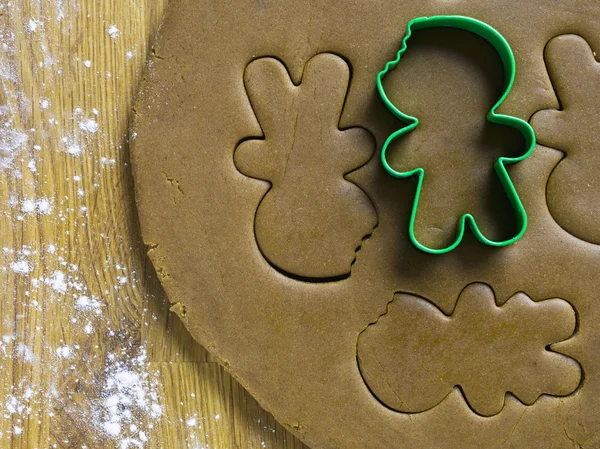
x: 90, y: 356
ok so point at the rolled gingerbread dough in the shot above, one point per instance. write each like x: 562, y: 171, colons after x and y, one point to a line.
x: 284, y: 244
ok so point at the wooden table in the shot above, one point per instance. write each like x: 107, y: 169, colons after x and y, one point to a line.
x: 90, y: 355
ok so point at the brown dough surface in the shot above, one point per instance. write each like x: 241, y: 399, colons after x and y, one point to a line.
x: 274, y: 227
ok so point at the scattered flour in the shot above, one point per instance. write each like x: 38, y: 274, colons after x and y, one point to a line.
x: 89, y: 125
x: 85, y: 303
x: 25, y: 352
x: 130, y: 397
x: 63, y: 352
x: 57, y: 282
x: 113, y: 31
x: 121, y: 394
x: 27, y: 206
x: 192, y: 422
x: 10, y: 142
x: 20, y: 267
x: 32, y: 25
x: 112, y: 428
x: 71, y: 146
x: 74, y: 149
x: 43, y: 206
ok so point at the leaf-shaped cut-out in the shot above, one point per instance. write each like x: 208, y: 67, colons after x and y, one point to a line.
x: 414, y: 355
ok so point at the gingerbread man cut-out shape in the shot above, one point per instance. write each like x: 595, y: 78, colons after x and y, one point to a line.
x: 311, y: 221
x: 413, y: 355
x: 573, y: 189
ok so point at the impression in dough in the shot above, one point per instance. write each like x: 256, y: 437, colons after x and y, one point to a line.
x: 309, y: 200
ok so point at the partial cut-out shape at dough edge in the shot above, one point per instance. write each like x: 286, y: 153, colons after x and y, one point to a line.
x: 573, y: 189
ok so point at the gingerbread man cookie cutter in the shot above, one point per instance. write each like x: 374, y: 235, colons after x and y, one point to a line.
x: 500, y: 44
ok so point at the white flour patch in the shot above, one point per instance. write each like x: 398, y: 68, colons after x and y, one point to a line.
x: 10, y: 142
x: 71, y: 146
x: 74, y: 150
x: 25, y: 352
x: 20, y: 267
x: 113, y: 31
x: 27, y: 206
x: 33, y: 25
x: 112, y: 429
x: 57, y: 282
x: 43, y: 206
x: 84, y: 303
x: 60, y: 12
x: 192, y: 422
x: 63, y: 351
x: 89, y: 125
x: 130, y: 397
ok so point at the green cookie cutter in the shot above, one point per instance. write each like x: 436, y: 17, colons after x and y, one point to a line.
x: 506, y: 55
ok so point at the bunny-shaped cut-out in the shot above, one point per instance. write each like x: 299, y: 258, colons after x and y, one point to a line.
x: 311, y: 221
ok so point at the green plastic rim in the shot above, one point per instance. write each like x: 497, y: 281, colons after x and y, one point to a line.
x: 506, y: 55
